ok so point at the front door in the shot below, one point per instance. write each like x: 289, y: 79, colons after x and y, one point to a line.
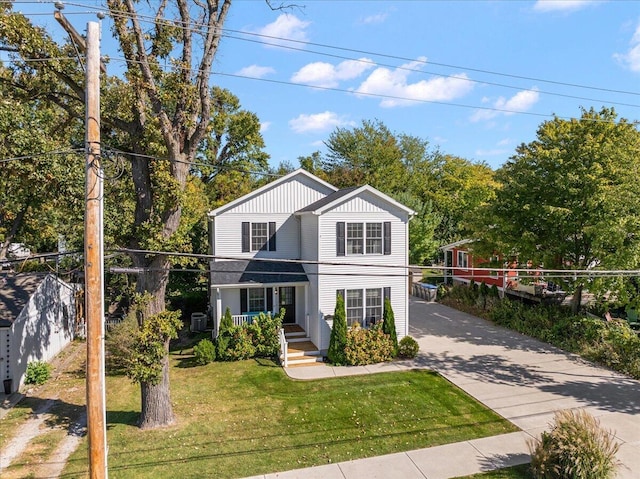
x: 287, y: 295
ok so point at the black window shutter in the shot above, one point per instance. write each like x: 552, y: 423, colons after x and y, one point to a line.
x: 340, y: 238
x: 246, y: 237
x: 340, y: 292
x: 272, y: 236
x: 244, y: 304
x: 387, y: 237
x: 269, y: 299
x: 387, y: 293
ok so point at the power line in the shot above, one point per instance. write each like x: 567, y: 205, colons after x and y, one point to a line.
x: 34, y: 156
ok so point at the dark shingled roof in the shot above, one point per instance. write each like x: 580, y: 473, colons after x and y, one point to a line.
x: 247, y: 271
x: 328, y: 199
x: 15, y: 292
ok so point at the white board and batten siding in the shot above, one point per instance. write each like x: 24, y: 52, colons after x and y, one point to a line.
x: 276, y: 204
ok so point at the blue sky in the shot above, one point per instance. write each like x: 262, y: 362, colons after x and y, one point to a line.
x: 475, y: 78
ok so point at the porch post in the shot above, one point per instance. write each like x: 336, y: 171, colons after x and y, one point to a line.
x: 218, y: 312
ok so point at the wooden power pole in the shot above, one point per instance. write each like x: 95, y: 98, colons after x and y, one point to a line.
x: 93, y: 264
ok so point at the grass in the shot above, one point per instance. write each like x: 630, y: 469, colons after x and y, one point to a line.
x: 247, y: 418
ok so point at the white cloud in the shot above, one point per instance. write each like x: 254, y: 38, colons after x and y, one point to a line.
x: 317, y: 122
x: 255, y: 71
x: 328, y: 75
x: 374, y: 19
x: 288, y: 27
x: 394, y: 84
x: 520, y: 102
x: 505, y: 142
x: 561, y: 5
x: 264, y: 126
x: 631, y: 59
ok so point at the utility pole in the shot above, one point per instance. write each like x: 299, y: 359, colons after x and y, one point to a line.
x: 93, y: 263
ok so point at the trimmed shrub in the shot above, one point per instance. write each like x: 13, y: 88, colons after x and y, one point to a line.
x: 240, y: 344
x: 338, y: 339
x: 263, y: 331
x: 224, y: 337
x: 367, y: 346
x: 204, y: 352
x: 575, y: 448
x: 389, y: 325
x: 408, y: 348
x: 38, y: 372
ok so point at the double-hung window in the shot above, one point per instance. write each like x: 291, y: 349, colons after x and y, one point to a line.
x: 258, y: 236
x: 463, y: 259
x: 256, y: 299
x: 353, y: 305
x: 364, y: 306
x: 355, y: 238
x: 363, y: 238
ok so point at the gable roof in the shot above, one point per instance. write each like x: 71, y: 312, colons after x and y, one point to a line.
x: 248, y: 272
x: 15, y: 292
x: 331, y: 201
x: 456, y: 244
x: 268, y: 186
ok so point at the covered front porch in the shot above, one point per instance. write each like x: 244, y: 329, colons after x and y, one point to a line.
x: 250, y: 287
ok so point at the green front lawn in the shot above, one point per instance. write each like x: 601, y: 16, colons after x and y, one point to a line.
x: 247, y: 418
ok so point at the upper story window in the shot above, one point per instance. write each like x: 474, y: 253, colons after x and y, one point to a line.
x: 258, y: 236
x: 363, y: 238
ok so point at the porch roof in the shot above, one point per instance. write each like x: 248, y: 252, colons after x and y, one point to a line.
x: 252, y: 271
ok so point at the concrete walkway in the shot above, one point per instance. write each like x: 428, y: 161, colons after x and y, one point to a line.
x: 520, y: 378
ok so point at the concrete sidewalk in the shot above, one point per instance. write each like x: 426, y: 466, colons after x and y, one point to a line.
x: 520, y: 378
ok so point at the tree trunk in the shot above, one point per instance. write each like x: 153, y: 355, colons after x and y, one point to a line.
x: 576, y: 302
x: 15, y: 226
x: 156, y: 410
x: 156, y: 399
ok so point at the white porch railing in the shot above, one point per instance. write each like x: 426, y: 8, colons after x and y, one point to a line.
x: 240, y: 319
x: 283, y: 347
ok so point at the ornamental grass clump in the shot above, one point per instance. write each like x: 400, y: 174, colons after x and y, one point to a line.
x: 575, y: 448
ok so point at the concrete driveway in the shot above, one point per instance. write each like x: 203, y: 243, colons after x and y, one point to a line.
x: 525, y: 380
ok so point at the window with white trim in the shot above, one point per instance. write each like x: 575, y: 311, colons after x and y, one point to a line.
x: 364, y: 306
x: 353, y: 306
x: 355, y: 238
x: 259, y: 236
x: 463, y: 259
x: 374, y: 238
x: 374, y: 306
x: 256, y: 299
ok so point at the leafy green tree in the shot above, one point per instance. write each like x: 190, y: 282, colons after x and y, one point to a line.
x: 160, y: 116
x: 389, y: 325
x: 338, y: 340
x: 422, y: 242
x: 571, y: 198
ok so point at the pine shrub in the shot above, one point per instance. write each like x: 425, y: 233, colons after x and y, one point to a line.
x: 575, y: 448
x: 338, y: 340
x: 408, y: 348
x: 204, y: 352
x: 389, y: 325
x: 38, y: 372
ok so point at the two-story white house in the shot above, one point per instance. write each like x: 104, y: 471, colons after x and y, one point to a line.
x: 297, y: 243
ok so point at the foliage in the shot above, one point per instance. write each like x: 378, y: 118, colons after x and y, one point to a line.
x: 38, y: 372
x: 150, y: 346
x: 559, y: 198
x: 575, y: 448
x: 226, y: 323
x: 239, y: 346
x: 204, y: 352
x: 263, y: 330
x: 367, y: 346
x: 119, y: 344
x: 408, y: 348
x: 389, y: 325
x: 338, y: 339
x: 422, y: 227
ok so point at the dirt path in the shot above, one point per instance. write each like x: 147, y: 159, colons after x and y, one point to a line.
x: 62, y: 408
